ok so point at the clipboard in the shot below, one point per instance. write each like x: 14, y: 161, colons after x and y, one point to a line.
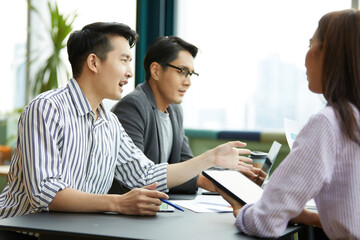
x: 235, y: 184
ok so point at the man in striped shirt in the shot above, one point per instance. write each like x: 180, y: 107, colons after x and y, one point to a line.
x: 69, y: 148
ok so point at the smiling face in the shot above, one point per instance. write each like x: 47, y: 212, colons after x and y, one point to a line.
x: 169, y: 86
x: 313, y: 63
x: 114, y: 71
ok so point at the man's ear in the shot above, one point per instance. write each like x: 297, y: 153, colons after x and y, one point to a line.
x: 155, y: 70
x: 92, y: 63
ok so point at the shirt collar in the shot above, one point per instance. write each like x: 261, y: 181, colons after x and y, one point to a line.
x: 80, y: 101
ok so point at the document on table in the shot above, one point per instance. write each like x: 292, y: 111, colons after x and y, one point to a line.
x: 205, y: 203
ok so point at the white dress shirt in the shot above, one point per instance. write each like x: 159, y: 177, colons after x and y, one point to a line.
x: 60, y: 145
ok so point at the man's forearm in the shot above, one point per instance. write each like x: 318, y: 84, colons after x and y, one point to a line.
x: 71, y: 200
x: 227, y: 155
x: 138, y: 201
x: 179, y: 173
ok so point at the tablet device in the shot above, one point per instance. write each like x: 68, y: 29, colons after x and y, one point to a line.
x: 236, y: 185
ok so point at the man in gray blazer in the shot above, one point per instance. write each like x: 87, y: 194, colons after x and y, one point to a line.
x: 151, y: 114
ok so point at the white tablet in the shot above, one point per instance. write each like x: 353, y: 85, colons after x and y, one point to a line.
x: 235, y: 184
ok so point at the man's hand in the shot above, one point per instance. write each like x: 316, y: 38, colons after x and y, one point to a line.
x: 228, y: 155
x: 235, y: 204
x: 140, y: 201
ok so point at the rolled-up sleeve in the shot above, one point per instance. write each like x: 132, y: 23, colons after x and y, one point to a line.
x: 40, y: 136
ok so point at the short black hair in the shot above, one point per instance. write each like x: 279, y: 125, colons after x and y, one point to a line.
x: 94, y: 38
x: 164, y: 50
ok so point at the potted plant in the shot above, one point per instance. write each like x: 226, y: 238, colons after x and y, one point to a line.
x: 46, y: 76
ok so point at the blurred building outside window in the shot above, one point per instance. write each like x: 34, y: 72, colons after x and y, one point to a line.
x: 251, y: 61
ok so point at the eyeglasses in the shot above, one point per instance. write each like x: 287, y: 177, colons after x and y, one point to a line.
x: 184, y: 72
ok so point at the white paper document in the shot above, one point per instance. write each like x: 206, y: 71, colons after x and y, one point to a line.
x: 205, y: 203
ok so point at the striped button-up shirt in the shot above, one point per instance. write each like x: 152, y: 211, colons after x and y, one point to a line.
x: 60, y: 145
x: 323, y: 165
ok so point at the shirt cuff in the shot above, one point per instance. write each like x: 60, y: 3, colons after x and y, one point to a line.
x: 161, y: 177
x: 48, y: 191
x: 240, y: 221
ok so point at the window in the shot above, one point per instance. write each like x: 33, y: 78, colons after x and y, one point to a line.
x: 123, y: 11
x: 13, y: 45
x: 13, y: 49
x: 251, y: 61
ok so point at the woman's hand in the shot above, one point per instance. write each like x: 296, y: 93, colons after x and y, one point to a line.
x: 235, y: 204
x: 308, y: 218
x: 205, y: 183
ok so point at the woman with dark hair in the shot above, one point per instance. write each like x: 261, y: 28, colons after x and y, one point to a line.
x: 325, y: 160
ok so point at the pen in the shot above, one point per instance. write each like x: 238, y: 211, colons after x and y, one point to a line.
x: 171, y: 204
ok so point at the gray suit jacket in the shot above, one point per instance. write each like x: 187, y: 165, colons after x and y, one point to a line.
x: 137, y: 114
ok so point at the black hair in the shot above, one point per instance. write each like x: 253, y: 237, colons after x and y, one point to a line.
x: 164, y: 50
x: 94, y: 38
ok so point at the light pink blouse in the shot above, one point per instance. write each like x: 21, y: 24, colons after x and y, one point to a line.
x: 323, y: 165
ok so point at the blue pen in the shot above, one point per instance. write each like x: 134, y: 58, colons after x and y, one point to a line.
x: 171, y: 204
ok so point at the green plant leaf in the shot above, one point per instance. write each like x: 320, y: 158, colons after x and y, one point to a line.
x: 46, y: 77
